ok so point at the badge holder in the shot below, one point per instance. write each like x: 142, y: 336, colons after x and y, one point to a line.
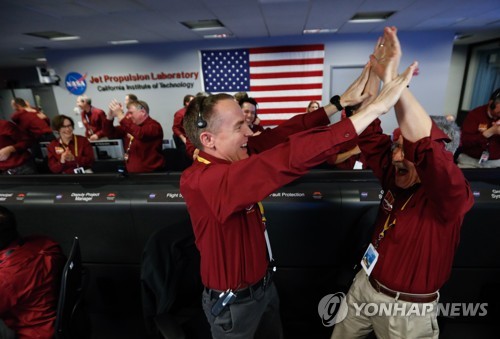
x: 484, y: 157
x: 369, y: 259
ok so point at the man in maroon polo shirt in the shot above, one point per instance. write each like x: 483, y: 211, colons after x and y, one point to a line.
x: 417, y: 229
x: 30, y: 274
x: 233, y: 172
x: 142, y: 136
x: 14, y: 155
x: 93, y: 118
x: 481, y: 135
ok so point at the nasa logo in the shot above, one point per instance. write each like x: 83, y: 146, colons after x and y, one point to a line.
x: 75, y: 83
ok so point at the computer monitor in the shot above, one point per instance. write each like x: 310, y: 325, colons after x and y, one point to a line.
x: 43, y: 148
x: 103, y: 149
x: 167, y: 143
x: 108, y: 149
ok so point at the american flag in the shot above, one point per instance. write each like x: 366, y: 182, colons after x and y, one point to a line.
x: 281, y: 79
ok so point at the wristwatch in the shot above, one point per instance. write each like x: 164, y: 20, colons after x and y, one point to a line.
x: 335, y: 100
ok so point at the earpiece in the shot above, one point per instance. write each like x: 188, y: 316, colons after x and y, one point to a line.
x: 200, y: 122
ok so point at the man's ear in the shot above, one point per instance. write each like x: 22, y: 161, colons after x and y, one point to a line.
x: 207, y: 139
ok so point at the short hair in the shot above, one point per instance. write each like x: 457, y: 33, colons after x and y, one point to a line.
x: 202, y: 94
x: 240, y: 95
x: 201, y: 107
x: 249, y: 100
x: 451, y: 129
x: 187, y: 99
x: 132, y: 97
x: 139, y: 104
x: 8, y: 227
x: 86, y: 99
x: 20, y: 102
x: 58, y: 121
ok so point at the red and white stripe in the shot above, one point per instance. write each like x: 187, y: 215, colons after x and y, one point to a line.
x: 285, y: 79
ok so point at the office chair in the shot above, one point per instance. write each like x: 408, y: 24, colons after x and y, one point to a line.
x: 171, y: 285
x: 71, y: 320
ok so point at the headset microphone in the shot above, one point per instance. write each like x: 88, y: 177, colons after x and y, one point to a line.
x: 200, y: 122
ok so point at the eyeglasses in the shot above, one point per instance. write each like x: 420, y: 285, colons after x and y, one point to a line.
x: 67, y: 126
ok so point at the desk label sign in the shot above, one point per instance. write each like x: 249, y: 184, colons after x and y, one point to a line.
x: 165, y: 197
x: 12, y: 197
x: 371, y: 194
x: 85, y: 197
x: 491, y: 195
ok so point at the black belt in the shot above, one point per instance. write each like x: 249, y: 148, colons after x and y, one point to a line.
x: 414, y: 298
x: 241, y: 293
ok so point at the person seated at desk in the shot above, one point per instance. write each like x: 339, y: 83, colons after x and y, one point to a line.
x: 30, y: 273
x: 14, y: 155
x: 70, y: 153
x: 481, y: 136
x: 142, y: 136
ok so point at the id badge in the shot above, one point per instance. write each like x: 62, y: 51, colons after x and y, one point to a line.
x: 484, y: 157
x: 369, y: 259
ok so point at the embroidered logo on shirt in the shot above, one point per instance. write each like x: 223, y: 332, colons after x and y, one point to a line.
x: 482, y: 127
x: 250, y: 208
x: 388, y: 201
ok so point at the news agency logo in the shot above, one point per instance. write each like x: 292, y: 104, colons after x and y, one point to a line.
x: 75, y: 83
x: 404, y: 309
x: 332, y: 309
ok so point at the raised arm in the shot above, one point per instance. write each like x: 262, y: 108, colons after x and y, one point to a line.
x: 412, y: 118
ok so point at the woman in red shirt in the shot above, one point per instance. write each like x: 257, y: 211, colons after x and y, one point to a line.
x: 70, y: 153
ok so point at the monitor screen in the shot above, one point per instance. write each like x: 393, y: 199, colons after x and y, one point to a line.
x: 167, y: 143
x: 108, y: 149
x: 43, y: 148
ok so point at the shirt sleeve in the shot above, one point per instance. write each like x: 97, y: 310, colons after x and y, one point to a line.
x: 146, y: 131
x: 376, y: 149
x: 86, y: 156
x: 7, y: 297
x: 54, y: 162
x: 273, y: 136
x: 111, y: 131
x: 444, y: 183
x: 226, y: 192
x: 22, y: 141
x: 177, y: 128
x: 101, y: 121
x: 471, y: 136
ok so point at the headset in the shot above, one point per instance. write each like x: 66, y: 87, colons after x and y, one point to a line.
x: 200, y: 122
x: 494, y: 97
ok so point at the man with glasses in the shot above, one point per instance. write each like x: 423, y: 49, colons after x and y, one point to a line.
x: 142, y: 136
x: 417, y: 229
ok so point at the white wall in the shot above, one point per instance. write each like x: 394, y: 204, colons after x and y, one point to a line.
x: 432, y: 50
